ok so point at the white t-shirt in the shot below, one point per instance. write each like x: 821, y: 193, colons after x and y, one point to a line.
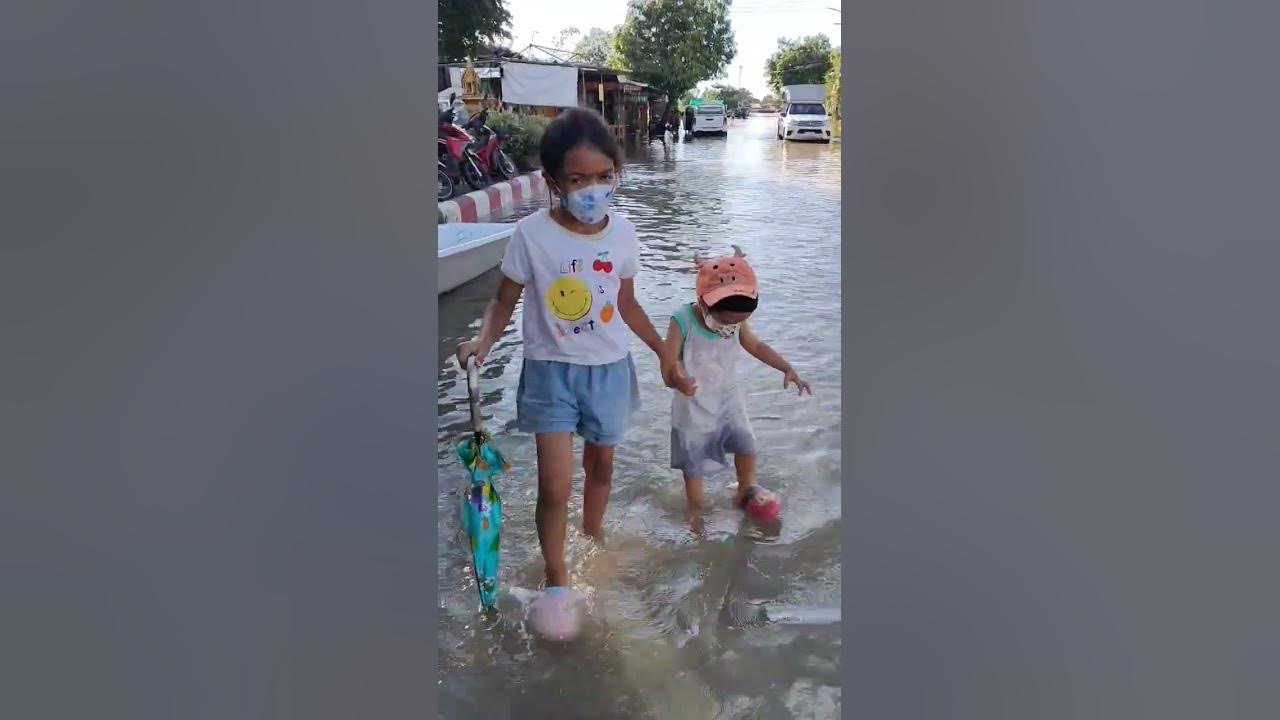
x: 571, y: 284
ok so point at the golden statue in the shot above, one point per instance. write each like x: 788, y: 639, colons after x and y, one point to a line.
x: 470, y: 81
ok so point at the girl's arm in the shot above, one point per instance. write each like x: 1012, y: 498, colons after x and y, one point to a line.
x: 767, y: 355
x: 636, y: 319
x: 674, y: 339
x: 496, y: 317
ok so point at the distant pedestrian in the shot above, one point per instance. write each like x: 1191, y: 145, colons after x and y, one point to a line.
x: 659, y: 126
x: 673, y: 122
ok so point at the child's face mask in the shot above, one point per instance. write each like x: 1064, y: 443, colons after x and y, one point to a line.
x: 724, y: 330
x: 589, y: 205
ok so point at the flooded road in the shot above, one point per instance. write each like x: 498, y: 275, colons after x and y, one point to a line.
x: 722, y: 624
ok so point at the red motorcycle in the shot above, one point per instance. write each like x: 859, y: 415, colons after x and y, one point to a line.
x: 455, y: 154
x: 488, y: 148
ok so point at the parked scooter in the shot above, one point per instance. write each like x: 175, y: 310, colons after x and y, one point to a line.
x: 456, y: 154
x: 446, y: 187
x: 490, y: 156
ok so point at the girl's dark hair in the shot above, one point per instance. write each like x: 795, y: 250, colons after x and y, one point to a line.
x: 571, y: 128
x: 736, y: 303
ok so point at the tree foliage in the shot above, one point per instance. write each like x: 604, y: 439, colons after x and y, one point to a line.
x: 499, y: 51
x: 565, y: 38
x: 676, y: 44
x: 467, y: 27
x: 799, y: 62
x: 732, y: 97
x: 833, y: 85
x: 596, y: 47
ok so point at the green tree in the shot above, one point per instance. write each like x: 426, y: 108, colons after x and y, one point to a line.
x: 565, y: 39
x: 596, y: 47
x: 732, y: 97
x: 833, y: 88
x: 467, y: 27
x: 676, y: 44
x: 799, y: 62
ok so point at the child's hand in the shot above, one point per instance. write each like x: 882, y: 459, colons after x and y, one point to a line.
x: 802, y: 387
x: 674, y: 377
x: 470, y: 348
x: 684, y: 383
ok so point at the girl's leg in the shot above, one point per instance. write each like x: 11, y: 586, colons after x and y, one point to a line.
x: 745, y: 465
x: 693, y: 503
x: 597, y: 463
x: 555, y: 483
x: 693, y: 491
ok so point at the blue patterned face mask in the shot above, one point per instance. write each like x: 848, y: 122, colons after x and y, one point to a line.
x: 589, y: 204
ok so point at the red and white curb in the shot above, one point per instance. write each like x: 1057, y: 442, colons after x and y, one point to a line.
x: 494, y: 199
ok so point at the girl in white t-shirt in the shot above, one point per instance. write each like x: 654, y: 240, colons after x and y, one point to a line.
x: 575, y: 267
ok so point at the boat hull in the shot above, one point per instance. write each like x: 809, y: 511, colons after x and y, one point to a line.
x: 469, y: 250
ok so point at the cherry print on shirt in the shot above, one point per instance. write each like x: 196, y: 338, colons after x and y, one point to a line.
x: 602, y: 263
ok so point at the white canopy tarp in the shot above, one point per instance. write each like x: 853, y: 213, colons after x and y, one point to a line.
x: 483, y: 73
x: 545, y: 85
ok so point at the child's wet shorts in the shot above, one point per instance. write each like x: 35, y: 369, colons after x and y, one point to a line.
x: 708, y: 454
x: 595, y: 401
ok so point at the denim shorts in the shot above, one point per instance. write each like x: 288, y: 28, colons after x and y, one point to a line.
x: 595, y: 401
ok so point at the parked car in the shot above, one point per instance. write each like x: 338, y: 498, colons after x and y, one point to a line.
x: 710, y: 118
x: 804, y: 116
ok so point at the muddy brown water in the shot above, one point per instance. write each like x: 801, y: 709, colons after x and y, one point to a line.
x: 729, y: 623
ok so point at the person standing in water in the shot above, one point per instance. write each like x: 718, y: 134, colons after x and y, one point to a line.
x: 575, y: 266
x: 709, y: 335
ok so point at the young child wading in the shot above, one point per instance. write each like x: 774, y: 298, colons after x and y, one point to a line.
x: 575, y: 266
x: 708, y: 425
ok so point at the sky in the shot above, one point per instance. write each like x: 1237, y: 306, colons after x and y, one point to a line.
x: 757, y: 26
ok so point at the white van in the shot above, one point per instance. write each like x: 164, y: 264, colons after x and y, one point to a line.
x: 804, y: 116
x: 710, y: 118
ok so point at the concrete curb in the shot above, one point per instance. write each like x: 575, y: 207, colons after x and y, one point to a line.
x: 497, y: 197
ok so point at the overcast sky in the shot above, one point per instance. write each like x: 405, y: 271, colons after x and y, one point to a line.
x: 757, y: 26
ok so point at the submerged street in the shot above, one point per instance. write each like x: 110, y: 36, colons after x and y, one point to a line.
x: 725, y: 624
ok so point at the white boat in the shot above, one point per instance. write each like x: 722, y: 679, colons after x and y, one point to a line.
x: 469, y: 250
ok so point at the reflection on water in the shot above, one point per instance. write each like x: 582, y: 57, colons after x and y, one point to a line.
x: 728, y: 624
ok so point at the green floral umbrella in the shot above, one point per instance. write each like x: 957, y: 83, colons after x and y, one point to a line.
x: 481, y: 505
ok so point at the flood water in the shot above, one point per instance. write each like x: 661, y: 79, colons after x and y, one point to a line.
x: 729, y: 623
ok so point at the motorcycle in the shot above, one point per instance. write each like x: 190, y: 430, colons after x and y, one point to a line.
x: 446, y: 188
x: 455, y: 153
x: 488, y: 148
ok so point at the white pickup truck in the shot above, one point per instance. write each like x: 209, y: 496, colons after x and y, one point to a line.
x: 804, y: 114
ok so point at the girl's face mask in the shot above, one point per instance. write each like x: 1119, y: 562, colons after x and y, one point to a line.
x: 589, y: 205
x: 724, y: 330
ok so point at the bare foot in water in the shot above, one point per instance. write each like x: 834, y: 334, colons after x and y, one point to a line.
x: 696, y: 518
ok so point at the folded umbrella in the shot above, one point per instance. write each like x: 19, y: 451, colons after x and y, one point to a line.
x: 481, y: 506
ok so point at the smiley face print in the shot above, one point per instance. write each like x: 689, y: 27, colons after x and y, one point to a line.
x: 569, y: 299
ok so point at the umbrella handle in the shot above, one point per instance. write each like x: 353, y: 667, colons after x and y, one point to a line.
x: 473, y: 393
